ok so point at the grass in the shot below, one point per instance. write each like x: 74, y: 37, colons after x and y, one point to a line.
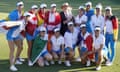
x: 7, y: 5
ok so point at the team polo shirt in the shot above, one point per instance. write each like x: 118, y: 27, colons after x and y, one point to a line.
x: 109, y: 27
x: 70, y: 38
x: 97, y: 21
x: 57, y: 42
x: 98, y: 41
x: 83, y: 43
x: 79, y: 20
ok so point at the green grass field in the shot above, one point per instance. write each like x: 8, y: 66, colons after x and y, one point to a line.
x: 7, y: 5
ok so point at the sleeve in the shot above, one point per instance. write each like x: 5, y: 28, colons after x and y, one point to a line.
x: 59, y: 18
x: 92, y: 12
x: 115, y: 27
x: 89, y: 42
x: 92, y: 25
x: 103, y: 24
x: 13, y: 16
x: 102, y: 40
x: 85, y: 18
x: 62, y: 16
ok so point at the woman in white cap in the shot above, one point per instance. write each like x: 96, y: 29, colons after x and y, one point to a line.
x: 66, y: 16
x: 81, y: 18
x: 57, y: 42
x: 70, y: 42
x: 99, y: 48
x: 31, y: 30
x: 98, y: 19
x: 52, y: 21
x: 15, y: 15
x: 84, y: 42
x: 89, y: 12
x: 41, y: 14
x: 111, y: 33
x: 40, y: 53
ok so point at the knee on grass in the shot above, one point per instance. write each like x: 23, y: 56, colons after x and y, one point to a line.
x: 40, y: 62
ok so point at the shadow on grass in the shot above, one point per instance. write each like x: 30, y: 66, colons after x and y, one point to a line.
x: 76, y: 67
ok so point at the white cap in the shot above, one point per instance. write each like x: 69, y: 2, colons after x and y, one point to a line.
x: 70, y: 23
x: 97, y: 28
x: 81, y: 7
x: 34, y: 7
x: 56, y: 29
x: 43, y: 5
x: 88, y: 3
x: 99, y: 6
x: 82, y: 25
x: 20, y: 3
x: 26, y: 14
x: 53, y: 5
x: 65, y: 4
x: 108, y: 8
x: 42, y: 28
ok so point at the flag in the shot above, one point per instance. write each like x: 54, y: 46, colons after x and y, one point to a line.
x: 10, y: 23
x: 38, y: 46
x: 6, y: 25
x: 2, y: 27
x: 3, y: 30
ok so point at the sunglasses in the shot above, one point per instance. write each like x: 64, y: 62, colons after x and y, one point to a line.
x: 21, y: 5
x: 44, y: 7
x: 71, y: 25
x: 35, y: 8
x: 83, y: 27
x: 107, y: 10
x: 43, y: 31
x: 57, y: 31
x: 97, y: 30
x: 97, y: 8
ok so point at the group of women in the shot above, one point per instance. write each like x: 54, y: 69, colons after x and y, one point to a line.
x: 59, y: 34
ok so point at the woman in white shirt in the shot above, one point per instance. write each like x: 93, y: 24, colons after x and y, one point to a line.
x: 97, y: 19
x: 81, y: 18
x: 100, y: 50
x: 57, y: 42
x: 70, y: 42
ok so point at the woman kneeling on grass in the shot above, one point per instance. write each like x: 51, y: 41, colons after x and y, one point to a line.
x: 57, y: 42
x: 100, y: 50
x: 70, y: 43
x: 40, y: 53
x: 84, y: 42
